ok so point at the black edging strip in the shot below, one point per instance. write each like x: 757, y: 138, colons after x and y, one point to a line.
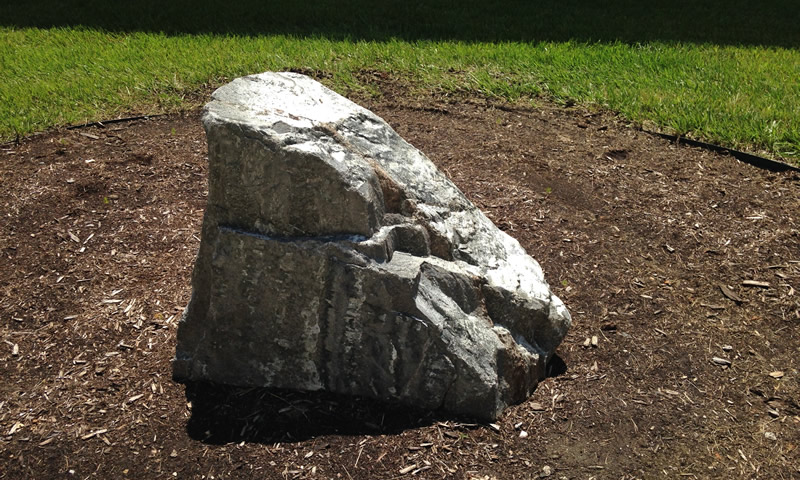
x: 755, y: 160
x: 116, y: 120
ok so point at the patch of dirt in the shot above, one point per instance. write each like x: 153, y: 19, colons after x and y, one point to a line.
x: 98, y: 232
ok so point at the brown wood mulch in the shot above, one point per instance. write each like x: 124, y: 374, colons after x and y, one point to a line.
x: 679, y: 266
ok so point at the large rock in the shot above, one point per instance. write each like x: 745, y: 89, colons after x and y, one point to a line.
x: 335, y: 256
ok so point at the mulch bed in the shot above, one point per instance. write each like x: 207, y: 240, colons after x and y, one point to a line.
x: 679, y: 363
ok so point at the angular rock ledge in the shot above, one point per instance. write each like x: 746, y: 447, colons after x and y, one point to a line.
x: 335, y: 256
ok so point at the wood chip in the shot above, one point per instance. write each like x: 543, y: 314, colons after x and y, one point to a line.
x: 135, y: 397
x: 89, y: 135
x: 594, y: 340
x: 729, y: 293
x: 15, y: 427
x: 130, y: 306
x: 537, y: 407
x: 776, y: 374
x: 93, y: 434
x: 407, y: 469
x: 74, y: 237
x: 755, y: 283
x: 713, y: 306
x: 721, y: 361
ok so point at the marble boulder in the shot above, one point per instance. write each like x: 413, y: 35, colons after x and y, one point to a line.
x: 334, y: 255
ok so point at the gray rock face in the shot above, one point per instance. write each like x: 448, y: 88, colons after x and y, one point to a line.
x: 335, y: 256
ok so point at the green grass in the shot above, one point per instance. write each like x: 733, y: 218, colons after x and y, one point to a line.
x: 726, y: 72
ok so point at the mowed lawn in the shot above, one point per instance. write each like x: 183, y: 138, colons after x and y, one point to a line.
x: 725, y: 72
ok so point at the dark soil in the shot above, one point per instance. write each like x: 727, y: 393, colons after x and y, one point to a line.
x: 98, y: 232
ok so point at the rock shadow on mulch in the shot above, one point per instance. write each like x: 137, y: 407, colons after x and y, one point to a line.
x: 226, y: 414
